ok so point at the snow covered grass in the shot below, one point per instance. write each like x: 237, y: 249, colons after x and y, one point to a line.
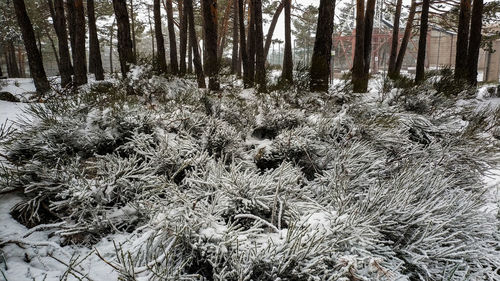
x: 174, y: 183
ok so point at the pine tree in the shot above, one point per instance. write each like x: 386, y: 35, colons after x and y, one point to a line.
x: 59, y: 22
x: 193, y: 42
x: 34, y: 58
x: 209, y: 9
x: 288, y: 57
x: 422, y: 42
x: 95, y: 61
x: 182, y: 38
x: 243, y: 45
x: 462, y: 39
x: 234, y: 56
x: 358, y: 75
x: 251, y: 44
x: 260, y: 59
x: 80, y: 65
x: 394, y: 41
x: 125, y: 51
x: 320, y: 65
x: 474, y: 41
x: 272, y: 27
x: 369, y: 14
x: 160, y: 43
x: 406, y: 38
x: 70, y: 4
x: 174, y: 66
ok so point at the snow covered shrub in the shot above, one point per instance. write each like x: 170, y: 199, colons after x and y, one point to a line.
x: 272, y: 120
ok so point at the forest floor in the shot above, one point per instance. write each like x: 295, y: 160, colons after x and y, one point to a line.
x: 178, y: 184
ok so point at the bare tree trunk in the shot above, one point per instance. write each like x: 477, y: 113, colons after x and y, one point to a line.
x: 243, y: 44
x: 80, y: 60
x: 260, y: 59
x: 209, y: 9
x: 422, y: 42
x: 320, y: 65
x: 95, y: 61
x: 161, y: 60
x: 182, y: 38
x: 35, y: 61
x: 125, y: 51
x: 194, y: 44
x: 406, y: 38
x: 251, y: 44
x: 395, y: 39
x: 174, y: 66
x: 151, y: 32
x: 235, y: 54
x: 38, y: 38
x: 134, y: 39
x: 20, y: 60
x: 270, y: 32
x: 52, y: 45
x: 111, y: 32
x: 462, y: 39
x: 222, y: 33
x: 358, y: 69
x: 288, y: 56
x: 370, y: 13
x: 71, y: 28
x: 12, y: 68
x: 475, y: 41
x: 190, y: 57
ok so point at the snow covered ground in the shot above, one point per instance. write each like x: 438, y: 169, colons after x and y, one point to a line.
x: 37, y: 255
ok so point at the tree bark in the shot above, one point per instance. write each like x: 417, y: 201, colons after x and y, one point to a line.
x: 52, y: 45
x: 251, y: 44
x: 394, y: 41
x: 182, y: 38
x: 260, y: 59
x: 288, y: 56
x: 160, y: 43
x: 209, y: 9
x: 12, y: 68
x: 174, y: 66
x: 111, y: 32
x: 270, y: 32
x: 80, y: 66
x: 35, y: 61
x: 194, y: 45
x: 370, y: 13
x: 134, y: 38
x: 222, y: 33
x: 125, y: 51
x: 422, y: 42
x: 70, y: 4
x: 475, y: 41
x: 95, y: 61
x: 320, y: 65
x: 358, y: 69
x: 190, y: 57
x: 406, y: 38
x: 243, y: 44
x: 462, y: 39
x: 235, y: 54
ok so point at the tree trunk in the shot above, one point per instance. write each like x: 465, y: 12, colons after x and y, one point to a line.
x: 251, y: 44
x: 12, y: 68
x: 111, y: 32
x: 52, y: 45
x: 194, y: 44
x: 134, y: 39
x: 235, y: 54
x: 320, y: 65
x: 71, y: 28
x: 190, y: 57
x: 160, y: 43
x: 174, y: 66
x: 288, y: 56
x: 394, y: 41
x: 475, y: 41
x: 462, y: 39
x: 209, y: 9
x: 260, y: 59
x: 80, y: 66
x: 125, y: 51
x: 406, y: 38
x: 35, y: 61
x: 358, y: 69
x: 422, y: 42
x: 270, y: 32
x: 151, y: 32
x: 223, y: 30
x: 182, y: 38
x: 243, y: 44
x: 370, y: 13
x: 95, y: 61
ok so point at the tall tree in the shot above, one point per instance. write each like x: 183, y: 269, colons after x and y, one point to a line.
x: 125, y: 52
x: 358, y: 75
x: 95, y: 61
x: 174, y: 66
x: 462, y: 39
x: 406, y: 38
x: 260, y: 59
x: 13, y: 70
x: 320, y: 65
x: 475, y: 41
x: 234, y: 56
x: 193, y: 42
x: 160, y: 58
x: 34, y: 58
x: 394, y: 40
x: 243, y: 45
x: 134, y: 38
x: 287, y: 74
x: 70, y: 4
x: 370, y: 13
x: 59, y: 22
x: 251, y: 43
x: 209, y: 9
x: 80, y: 66
x: 182, y: 38
x: 422, y: 41
x: 272, y: 27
